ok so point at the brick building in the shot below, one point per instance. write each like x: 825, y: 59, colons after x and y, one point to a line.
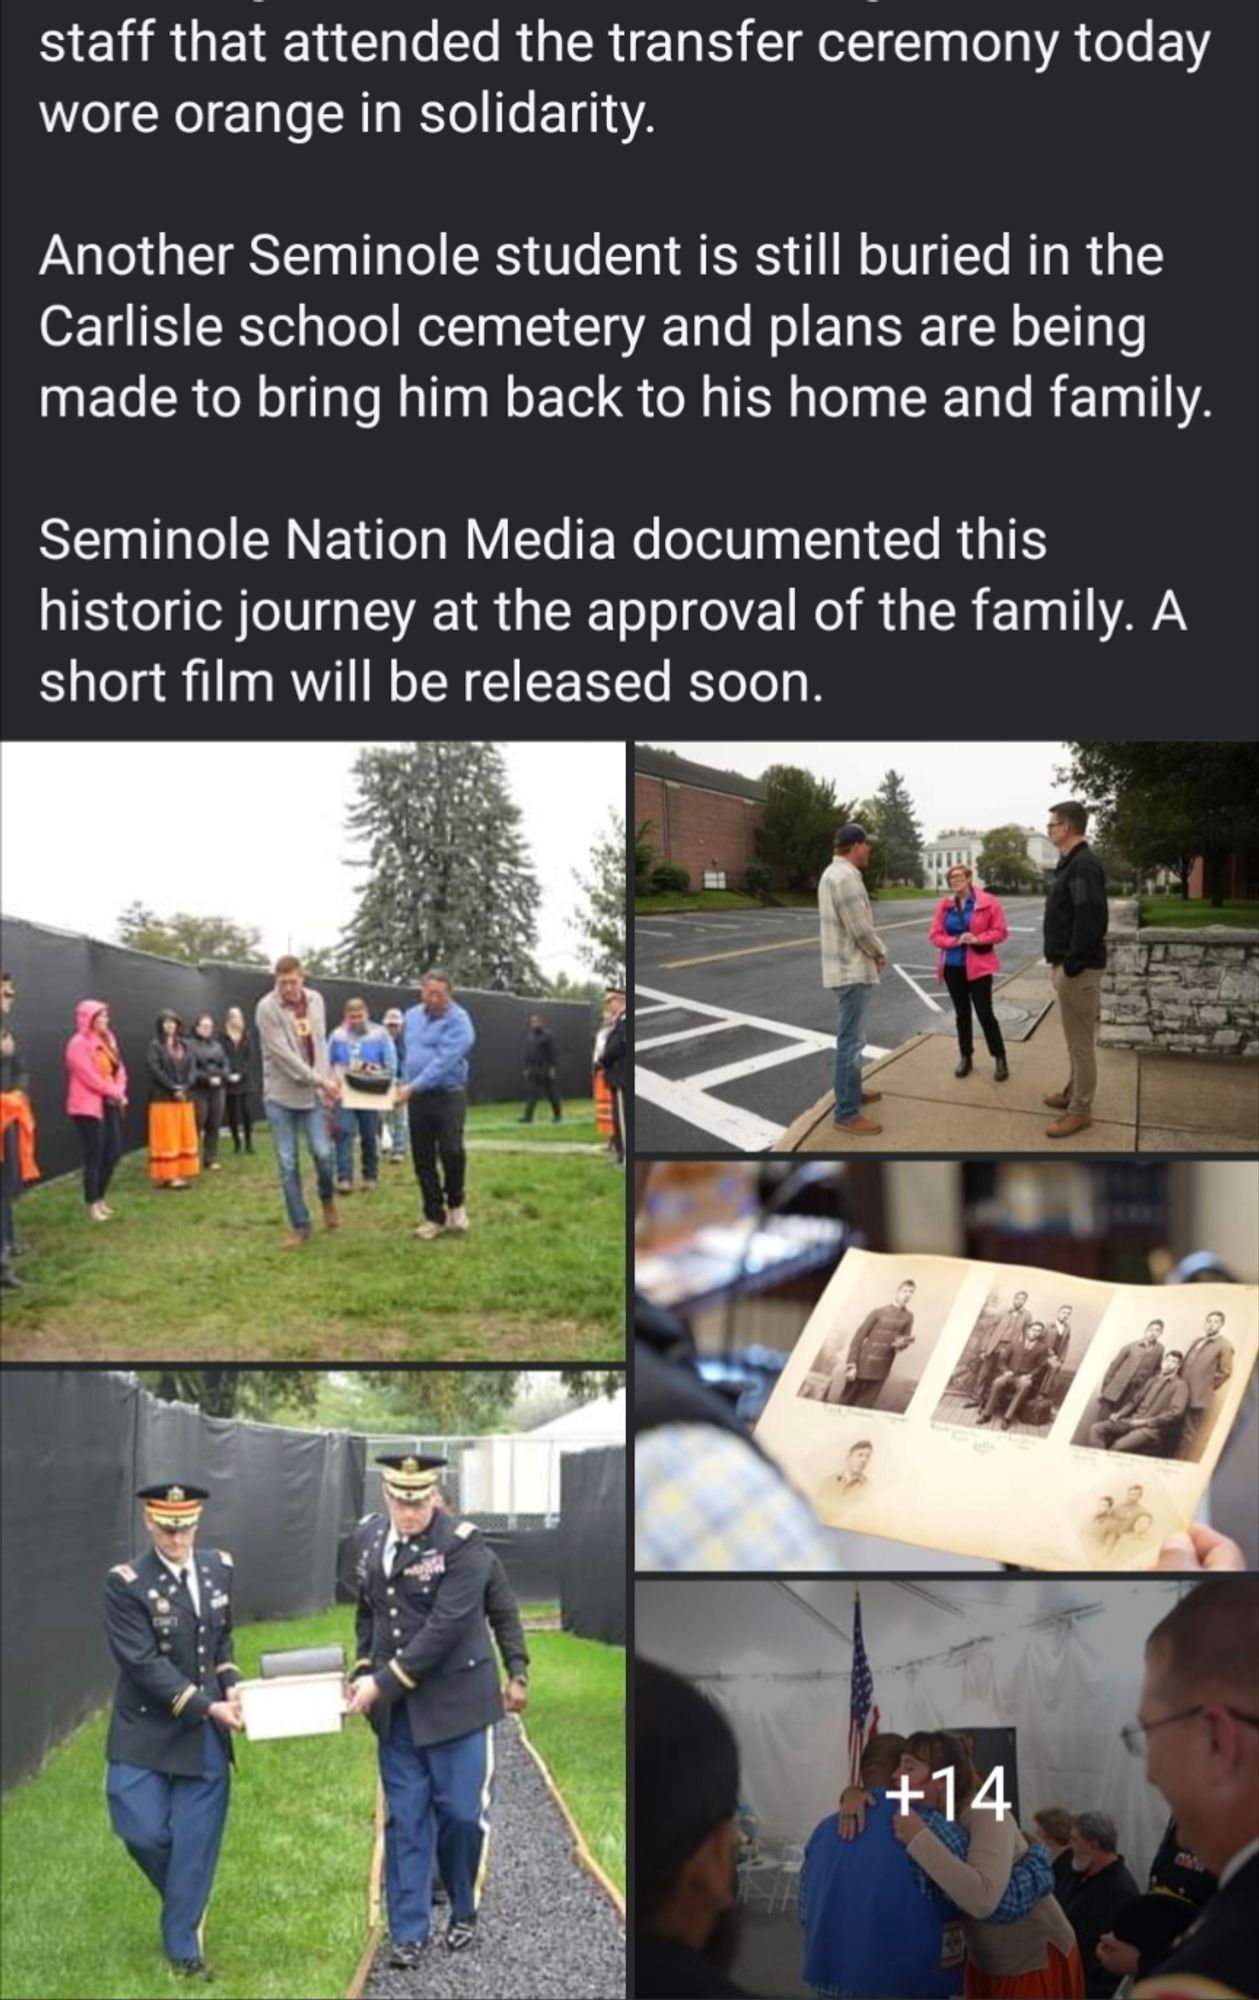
x: 702, y: 819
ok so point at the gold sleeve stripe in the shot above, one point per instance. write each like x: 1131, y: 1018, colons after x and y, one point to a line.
x: 401, y: 1674
x: 230, y: 1667
x: 359, y: 1663
x: 182, y: 1700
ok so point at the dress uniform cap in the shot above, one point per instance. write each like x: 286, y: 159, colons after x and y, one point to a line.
x: 173, y: 1505
x: 409, y: 1475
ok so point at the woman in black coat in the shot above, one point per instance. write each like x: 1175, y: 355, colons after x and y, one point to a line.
x: 208, y: 1085
x: 173, y: 1156
x: 239, y: 1080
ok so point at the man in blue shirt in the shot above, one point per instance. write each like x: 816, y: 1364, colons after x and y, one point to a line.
x: 436, y: 1038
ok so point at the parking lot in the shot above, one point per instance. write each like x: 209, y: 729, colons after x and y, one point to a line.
x: 734, y: 1033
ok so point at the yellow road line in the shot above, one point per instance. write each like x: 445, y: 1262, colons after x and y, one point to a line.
x: 783, y: 944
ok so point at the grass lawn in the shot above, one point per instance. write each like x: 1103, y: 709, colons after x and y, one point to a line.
x: 694, y: 899
x: 1173, y: 912
x: 576, y: 1723
x: 289, y: 1912
x: 539, y: 1276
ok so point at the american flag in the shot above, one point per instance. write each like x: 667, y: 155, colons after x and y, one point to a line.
x: 863, y: 1715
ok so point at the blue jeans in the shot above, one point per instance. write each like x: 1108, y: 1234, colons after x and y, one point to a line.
x: 850, y: 1038
x: 285, y: 1126
x: 367, y: 1125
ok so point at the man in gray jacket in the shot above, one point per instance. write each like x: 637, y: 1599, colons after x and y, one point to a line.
x: 298, y: 1091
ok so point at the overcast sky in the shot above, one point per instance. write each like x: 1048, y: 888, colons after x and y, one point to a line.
x: 255, y: 832
x: 974, y: 785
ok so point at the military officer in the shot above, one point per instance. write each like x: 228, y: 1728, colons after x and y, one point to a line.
x: 168, y: 1619
x: 425, y: 1677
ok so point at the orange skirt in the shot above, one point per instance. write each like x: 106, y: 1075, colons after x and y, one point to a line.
x: 1061, y: 1979
x: 173, y: 1151
x: 603, y: 1106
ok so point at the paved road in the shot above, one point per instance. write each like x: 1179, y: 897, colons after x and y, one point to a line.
x: 734, y: 1032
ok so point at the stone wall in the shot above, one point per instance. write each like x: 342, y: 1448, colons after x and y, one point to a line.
x: 1195, y: 992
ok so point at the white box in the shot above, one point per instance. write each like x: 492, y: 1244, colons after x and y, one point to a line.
x: 293, y: 1705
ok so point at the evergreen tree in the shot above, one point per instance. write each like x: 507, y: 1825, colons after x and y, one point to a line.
x: 900, y: 835
x: 798, y: 823
x: 449, y: 879
x: 601, y: 923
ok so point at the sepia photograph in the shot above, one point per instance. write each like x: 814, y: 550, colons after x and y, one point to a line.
x: 1164, y: 1388
x: 875, y: 1358
x: 1022, y: 1356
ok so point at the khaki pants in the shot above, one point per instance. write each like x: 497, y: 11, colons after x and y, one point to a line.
x: 1080, y: 1004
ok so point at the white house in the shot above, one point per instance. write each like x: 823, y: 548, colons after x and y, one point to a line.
x: 953, y: 850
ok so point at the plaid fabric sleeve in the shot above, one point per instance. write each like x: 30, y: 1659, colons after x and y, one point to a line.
x: 1030, y: 1878
x: 853, y: 908
x: 704, y: 1499
x: 952, y: 1836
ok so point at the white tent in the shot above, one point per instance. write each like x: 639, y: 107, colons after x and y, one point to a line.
x: 1058, y: 1661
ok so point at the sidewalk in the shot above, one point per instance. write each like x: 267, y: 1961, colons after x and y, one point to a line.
x: 1155, y: 1103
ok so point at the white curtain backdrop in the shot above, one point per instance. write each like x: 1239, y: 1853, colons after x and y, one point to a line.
x: 1066, y: 1686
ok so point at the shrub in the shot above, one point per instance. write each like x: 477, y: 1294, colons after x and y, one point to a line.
x: 668, y: 876
x: 756, y: 878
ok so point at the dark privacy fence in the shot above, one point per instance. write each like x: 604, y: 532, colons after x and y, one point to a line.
x: 54, y: 969
x: 74, y: 1446
x: 592, y: 1544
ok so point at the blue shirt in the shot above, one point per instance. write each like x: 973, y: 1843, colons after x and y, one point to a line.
x: 868, y: 1927
x: 957, y: 923
x: 350, y: 1047
x: 435, y: 1048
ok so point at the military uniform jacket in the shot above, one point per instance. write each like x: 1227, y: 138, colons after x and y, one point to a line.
x: 1216, y: 1955
x: 421, y: 1630
x: 173, y: 1663
x: 872, y: 1345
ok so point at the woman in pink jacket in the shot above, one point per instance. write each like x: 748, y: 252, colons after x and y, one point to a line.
x: 96, y: 1097
x: 966, y: 929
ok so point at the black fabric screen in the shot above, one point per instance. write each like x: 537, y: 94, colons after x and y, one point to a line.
x: 531, y: 1558
x: 54, y: 969
x: 988, y: 1749
x: 592, y: 1544
x: 76, y: 1445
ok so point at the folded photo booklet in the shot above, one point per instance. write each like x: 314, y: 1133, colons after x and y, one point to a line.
x: 1000, y: 1411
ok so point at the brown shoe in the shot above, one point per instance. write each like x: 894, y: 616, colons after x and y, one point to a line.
x: 331, y: 1219
x: 871, y: 1096
x: 1057, y: 1100
x: 297, y: 1241
x: 1066, y: 1128
x: 863, y: 1128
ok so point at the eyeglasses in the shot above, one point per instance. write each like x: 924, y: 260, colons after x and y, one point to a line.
x: 1135, y: 1731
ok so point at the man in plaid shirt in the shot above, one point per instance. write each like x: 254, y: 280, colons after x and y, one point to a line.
x: 853, y: 956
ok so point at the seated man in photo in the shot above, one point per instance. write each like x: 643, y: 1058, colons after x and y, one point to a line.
x: 1025, y: 1370
x: 1150, y: 1424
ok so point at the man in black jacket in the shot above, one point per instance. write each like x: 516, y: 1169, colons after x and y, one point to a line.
x: 1101, y: 1884
x: 541, y: 1062
x: 686, y: 1792
x: 1076, y: 916
x: 1199, y: 1725
x: 425, y: 1678
x: 168, y: 1619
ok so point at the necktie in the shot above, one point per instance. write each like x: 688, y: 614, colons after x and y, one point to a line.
x: 183, y: 1578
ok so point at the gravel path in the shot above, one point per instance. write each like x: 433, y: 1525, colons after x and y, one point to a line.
x: 546, y: 1931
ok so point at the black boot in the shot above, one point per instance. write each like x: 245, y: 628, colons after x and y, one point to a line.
x: 965, y: 1066
x: 1002, y: 1072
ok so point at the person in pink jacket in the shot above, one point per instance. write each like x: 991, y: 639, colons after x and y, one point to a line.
x: 967, y: 927
x: 96, y: 1097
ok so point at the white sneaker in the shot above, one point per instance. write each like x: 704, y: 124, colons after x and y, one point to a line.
x: 427, y: 1231
x: 457, y: 1219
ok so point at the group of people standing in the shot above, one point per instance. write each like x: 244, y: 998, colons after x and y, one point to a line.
x: 966, y: 928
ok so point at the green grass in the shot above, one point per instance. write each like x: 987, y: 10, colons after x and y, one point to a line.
x: 576, y: 1723
x: 694, y: 899
x: 539, y: 1277
x: 1173, y: 912
x: 289, y: 1912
